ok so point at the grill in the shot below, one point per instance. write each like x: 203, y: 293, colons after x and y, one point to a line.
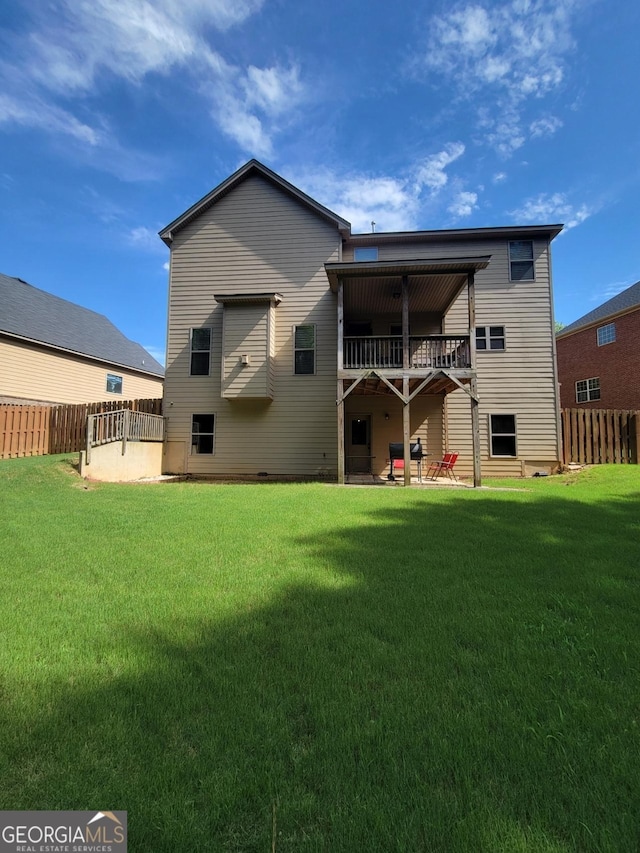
x: 396, y: 452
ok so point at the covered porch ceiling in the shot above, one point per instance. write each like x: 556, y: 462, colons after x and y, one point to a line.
x: 375, y: 287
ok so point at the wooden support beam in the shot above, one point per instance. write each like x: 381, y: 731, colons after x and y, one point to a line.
x: 473, y: 390
x: 423, y: 384
x: 342, y: 394
x: 406, y: 355
x: 340, y: 324
x: 475, y: 434
x: 392, y: 386
x: 471, y: 302
x: 467, y: 389
x: 406, y: 431
x: 340, y: 435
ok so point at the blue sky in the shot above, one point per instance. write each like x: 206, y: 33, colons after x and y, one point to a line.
x: 117, y: 115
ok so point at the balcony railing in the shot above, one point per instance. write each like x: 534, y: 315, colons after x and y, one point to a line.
x: 425, y: 352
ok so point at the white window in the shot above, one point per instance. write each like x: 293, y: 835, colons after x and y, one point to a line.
x: 202, y: 433
x: 114, y: 384
x: 502, y: 434
x: 365, y: 253
x: 587, y: 389
x: 200, y: 352
x: 490, y: 338
x: 304, y: 345
x: 606, y: 334
x: 521, y: 260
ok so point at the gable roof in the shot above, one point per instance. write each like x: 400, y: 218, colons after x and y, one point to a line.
x: 35, y: 315
x: 628, y: 299
x: 253, y: 167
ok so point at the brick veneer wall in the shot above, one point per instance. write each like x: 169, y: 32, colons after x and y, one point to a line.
x: 617, y: 365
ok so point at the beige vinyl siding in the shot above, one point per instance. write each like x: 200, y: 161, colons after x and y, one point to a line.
x: 518, y: 381
x: 29, y: 371
x: 426, y: 424
x: 246, y: 337
x: 255, y: 240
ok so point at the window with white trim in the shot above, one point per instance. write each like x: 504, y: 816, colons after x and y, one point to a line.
x: 490, y: 338
x: 365, y: 253
x: 587, y: 390
x: 203, y: 433
x: 521, y: 266
x: 606, y: 334
x: 114, y: 384
x: 304, y: 349
x: 200, y: 345
x: 502, y: 435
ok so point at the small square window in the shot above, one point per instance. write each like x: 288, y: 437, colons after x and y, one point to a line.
x: 606, y: 334
x: 490, y: 338
x: 587, y: 390
x: 114, y: 384
x: 521, y: 266
x: 200, y: 352
x: 502, y: 434
x: 304, y: 344
x: 202, y: 434
x: 365, y: 253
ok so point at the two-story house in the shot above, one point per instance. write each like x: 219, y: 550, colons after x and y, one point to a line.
x: 598, y: 355
x: 298, y: 349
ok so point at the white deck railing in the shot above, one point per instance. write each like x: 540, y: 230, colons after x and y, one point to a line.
x: 425, y: 352
x: 123, y: 425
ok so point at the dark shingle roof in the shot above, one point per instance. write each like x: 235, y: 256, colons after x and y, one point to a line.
x: 36, y: 315
x: 629, y: 298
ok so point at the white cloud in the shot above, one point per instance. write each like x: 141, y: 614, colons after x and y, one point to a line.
x: 166, y: 266
x: 145, y: 238
x: 545, y: 126
x: 463, y: 204
x: 552, y: 208
x: 393, y: 203
x: 75, y: 45
x: 274, y: 90
x: 37, y: 113
x: 514, y: 51
x: 499, y: 177
x: 431, y: 172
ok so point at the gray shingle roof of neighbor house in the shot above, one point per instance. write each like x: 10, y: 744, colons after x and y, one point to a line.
x: 35, y: 315
x: 629, y: 298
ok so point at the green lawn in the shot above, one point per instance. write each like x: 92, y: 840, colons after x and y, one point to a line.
x: 375, y: 669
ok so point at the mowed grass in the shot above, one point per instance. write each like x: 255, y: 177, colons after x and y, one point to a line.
x: 310, y: 668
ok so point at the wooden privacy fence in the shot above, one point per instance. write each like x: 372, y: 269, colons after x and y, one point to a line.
x: 597, y: 436
x: 37, y: 430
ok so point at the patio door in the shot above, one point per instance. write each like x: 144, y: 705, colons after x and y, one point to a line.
x: 358, y: 444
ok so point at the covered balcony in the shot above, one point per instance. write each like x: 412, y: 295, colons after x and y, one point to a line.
x: 426, y: 351
x: 405, y: 329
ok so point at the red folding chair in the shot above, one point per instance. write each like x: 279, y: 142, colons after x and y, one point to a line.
x: 443, y: 466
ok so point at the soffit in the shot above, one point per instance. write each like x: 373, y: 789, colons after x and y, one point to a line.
x: 375, y: 288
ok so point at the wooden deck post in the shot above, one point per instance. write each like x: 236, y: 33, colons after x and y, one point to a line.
x: 475, y: 430
x: 406, y: 355
x: 473, y: 385
x: 340, y: 388
x: 406, y: 430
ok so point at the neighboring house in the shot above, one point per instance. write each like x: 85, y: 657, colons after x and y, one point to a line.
x: 298, y: 349
x: 53, y: 351
x: 599, y: 356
